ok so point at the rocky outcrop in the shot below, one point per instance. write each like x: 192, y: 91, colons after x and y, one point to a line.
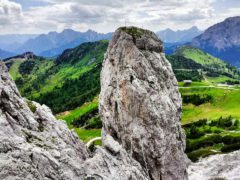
x: 140, y: 107
x: 115, y: 163
x: 221, y: 166
x: 24, y: 56
x: 140, y: 104
x: 33, y: 144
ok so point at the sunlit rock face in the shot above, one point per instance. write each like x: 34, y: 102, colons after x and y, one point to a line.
x: 220, y: 166
x: 33, y: 144
x: 140, y: 104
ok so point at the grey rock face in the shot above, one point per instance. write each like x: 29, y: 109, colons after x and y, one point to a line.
x: 140, y: 107
x: 115, y: 163
x: 34, y: 145
x: 222, y: 166
x: 140, y: 104
x: 221, y: 36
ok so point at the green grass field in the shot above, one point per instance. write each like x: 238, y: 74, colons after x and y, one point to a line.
x: 14, y: 69
x: 69, y: 116
x: 87, y: 135
x: 225, y: 103
x: 199, y: 56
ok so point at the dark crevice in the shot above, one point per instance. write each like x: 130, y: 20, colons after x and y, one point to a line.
x: 112, y: 62
x: 116, y: 107
x: 131, y: 79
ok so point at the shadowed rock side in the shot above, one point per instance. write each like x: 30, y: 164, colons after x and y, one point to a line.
x: 140, y: 104
x: 33, y: 144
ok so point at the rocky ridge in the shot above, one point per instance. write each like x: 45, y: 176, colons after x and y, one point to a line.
x: 34, y: 145
x: 140, y: 104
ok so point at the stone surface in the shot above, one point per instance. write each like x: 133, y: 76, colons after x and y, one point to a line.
x: 140, y: 107
x: 34, y: 145
x: 113, y: 162
x: 221, y: 166
x: 140, y: 104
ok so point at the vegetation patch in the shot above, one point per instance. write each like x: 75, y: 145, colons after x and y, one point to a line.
x: 212, y: 137
x: 87, y: 135
x: 31, y: 106
x: 197, y: 99
x: 134, y: 31
x: 26, y: 67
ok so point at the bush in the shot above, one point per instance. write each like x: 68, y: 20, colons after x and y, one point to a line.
x: 31, y: 106
x: 226, y: 123
x: 26, y: 67
x: 94, y: 123
x: 196, y: 99
x: 193, y: 132
x: 195, y: 155
x: 231, y: 147
x: 88, y: 119
x: 203, y: 142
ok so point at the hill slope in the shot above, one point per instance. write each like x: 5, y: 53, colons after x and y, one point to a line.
x: 64, y: 83
x: 193, y: 61
x: 222, y: 40
x: 5, y: 54
x: 73, y: 78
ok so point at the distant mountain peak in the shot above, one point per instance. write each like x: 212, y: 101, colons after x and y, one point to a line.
x: 171, y: 36
x: 5, y: 54
x: 54, y: 43
x: 222, y: 40
x: 194, y: 28
x: 232, y: 18
x: 68, y: 30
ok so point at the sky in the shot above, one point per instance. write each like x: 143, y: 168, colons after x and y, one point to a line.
x: 43, y: 16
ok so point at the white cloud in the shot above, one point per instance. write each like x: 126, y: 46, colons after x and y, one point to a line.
x: 10, y: 13
x: 107, y: 15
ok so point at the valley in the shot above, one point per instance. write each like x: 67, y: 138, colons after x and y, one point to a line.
x: 120, y: 90
x: 70, y: 86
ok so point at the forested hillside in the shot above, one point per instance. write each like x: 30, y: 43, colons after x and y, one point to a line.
x: 64, y: 83
x: 194, y: 64
x: 72, y: 79
x: 70, y: 85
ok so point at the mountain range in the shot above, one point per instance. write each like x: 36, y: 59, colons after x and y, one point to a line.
x: 5, y: 54
x: 53, y: 43
x: 222, y: 40
x: 171, y: 36
x: 9, y: 42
